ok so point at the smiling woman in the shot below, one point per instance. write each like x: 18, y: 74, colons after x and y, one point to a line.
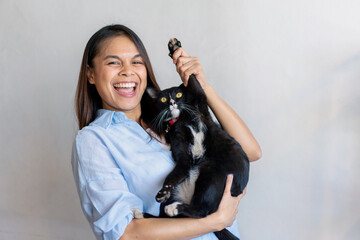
x: 119, y: 161
x: 120, y: 77
x: 107, y: 59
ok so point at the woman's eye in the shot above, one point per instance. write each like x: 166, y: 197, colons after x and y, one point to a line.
x: 113, y: 63
x: 163, y: 99
x: 138, y: 62
x: 179, y: 95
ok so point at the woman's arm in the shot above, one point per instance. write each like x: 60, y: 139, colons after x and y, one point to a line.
x: 233, y: 124
x: 229, y: 120
x: 186, y: 228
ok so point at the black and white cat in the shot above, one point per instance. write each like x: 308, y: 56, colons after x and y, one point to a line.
x: 203, y: 152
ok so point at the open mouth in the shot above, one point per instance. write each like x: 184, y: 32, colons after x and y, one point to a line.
x: 174, y: 113
x: 125, y: 89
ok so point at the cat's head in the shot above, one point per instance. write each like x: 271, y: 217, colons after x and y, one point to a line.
x: 172, y: 103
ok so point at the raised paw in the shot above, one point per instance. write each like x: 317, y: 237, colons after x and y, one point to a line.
x: 137, y: 213
x: 173, y: 45
x: 172, y: 209
x: 164, y: 194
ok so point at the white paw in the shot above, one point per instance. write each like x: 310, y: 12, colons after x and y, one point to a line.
x: 137, y: 213
x: 171, y: 210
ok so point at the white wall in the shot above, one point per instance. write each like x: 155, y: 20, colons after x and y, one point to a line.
x: 290, y: 68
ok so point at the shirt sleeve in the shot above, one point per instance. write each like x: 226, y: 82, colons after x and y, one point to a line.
x: 104, y: 195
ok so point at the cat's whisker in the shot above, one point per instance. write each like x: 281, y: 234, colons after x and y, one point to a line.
x: 156, y: 120
x: 188, y: 109
x: 159, y: 119
x: 163, y: 116
x: 168, y: 119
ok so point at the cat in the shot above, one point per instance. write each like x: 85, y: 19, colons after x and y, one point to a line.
x: 203, y: 152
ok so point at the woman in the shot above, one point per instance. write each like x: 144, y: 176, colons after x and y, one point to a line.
x: 117, y: 165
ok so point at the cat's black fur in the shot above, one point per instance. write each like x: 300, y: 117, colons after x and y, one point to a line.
x: 203, y: 152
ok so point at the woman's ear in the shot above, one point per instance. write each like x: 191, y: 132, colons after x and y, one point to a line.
x: 90, y: 75
x: 153, y: 92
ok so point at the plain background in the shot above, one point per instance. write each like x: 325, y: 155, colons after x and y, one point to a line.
x: 290, y: 68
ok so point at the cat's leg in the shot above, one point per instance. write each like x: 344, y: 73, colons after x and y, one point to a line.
x: 196, y: 90
x: 239, y: 167
x: 179, y: 174
x: 207, y: 195
x: 239, y: 183
x: 139, y: 214
x: 182, y: 168
x: 182, y: 209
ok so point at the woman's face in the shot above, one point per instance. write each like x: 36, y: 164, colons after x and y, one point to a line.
x: 120, y: 76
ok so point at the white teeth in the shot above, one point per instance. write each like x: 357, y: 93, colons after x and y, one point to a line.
x: 125, y: 85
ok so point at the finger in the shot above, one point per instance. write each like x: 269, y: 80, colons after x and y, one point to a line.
x: 229, y: 181
x: 190, y: 64
x: 186, y: 70
x: 187, y: 73
x: 180, y: 52
x: 180, y: 61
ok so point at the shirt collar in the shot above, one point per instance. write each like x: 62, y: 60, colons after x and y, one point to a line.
x: 104, y: 118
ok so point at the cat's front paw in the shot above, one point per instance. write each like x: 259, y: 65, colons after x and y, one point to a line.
x: 173, y: 45
x: 164, y: 194
x: 172, y: 209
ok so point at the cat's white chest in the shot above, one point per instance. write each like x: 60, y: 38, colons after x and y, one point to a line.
x: 197, y: 149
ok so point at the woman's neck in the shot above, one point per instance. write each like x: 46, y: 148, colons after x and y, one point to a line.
x: 133, y: 116
x: 136, y: 116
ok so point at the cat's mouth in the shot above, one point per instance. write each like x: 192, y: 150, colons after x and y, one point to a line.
x: 174, y: 114
x: 126, y: 88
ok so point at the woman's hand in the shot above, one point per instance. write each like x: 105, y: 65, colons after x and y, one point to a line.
x: 228, y: 208
x: 187, y: 65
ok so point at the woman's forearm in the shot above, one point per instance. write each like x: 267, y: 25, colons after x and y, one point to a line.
x: 233, y: 124
x: 187, y: 228
x: 169, y: 228
x: 229, y: 120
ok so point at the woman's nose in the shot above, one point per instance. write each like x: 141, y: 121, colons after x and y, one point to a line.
x: 126, y: 70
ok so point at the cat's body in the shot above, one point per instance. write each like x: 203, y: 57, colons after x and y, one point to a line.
x: 204, y: 154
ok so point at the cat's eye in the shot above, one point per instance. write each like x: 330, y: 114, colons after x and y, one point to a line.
x: 163, y: 99
x: 179, y: 95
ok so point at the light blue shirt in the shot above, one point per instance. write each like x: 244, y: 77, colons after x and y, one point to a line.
x: 118, y: 167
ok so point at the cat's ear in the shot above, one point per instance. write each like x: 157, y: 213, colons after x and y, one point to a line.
x: 153, y: 92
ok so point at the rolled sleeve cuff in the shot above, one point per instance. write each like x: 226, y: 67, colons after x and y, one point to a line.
x: 116, y: 231
x: 111, y: 209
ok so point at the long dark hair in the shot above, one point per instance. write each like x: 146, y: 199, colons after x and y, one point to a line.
x: 87, y: 99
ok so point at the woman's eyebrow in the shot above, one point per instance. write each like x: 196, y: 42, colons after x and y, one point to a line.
x: 137, y: 55
x: 111, y: 56
x: 116, y: 57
